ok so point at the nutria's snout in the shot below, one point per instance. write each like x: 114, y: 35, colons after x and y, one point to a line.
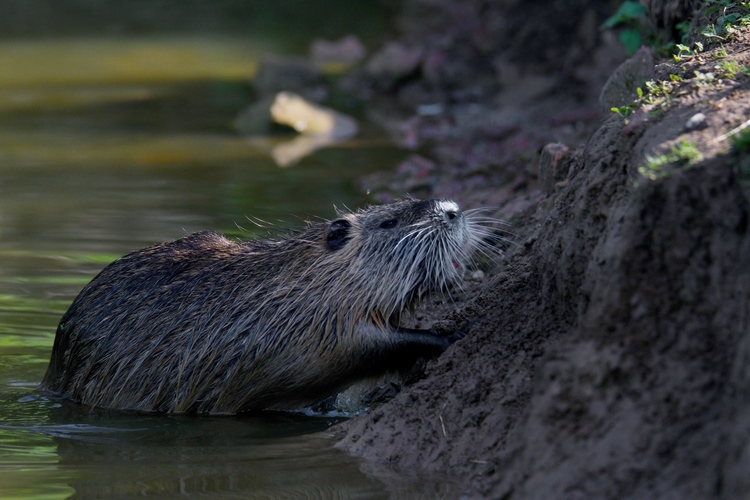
x: 206, y: 325
x: 450, y: 210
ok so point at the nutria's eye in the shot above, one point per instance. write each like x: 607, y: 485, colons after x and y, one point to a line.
x: 388, y: 224
x: 338, y: 234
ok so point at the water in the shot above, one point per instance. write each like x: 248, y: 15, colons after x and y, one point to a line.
x: 103, y: 151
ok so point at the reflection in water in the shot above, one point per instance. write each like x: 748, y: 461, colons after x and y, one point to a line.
x: 291, y: 152
x: 238, y: 456
x: 286, y: 153
x: 103, y: 454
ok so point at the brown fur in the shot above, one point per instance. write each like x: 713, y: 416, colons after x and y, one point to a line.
x: 206, y: 325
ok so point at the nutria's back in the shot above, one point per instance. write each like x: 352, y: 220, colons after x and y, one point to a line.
x: 204, y: 324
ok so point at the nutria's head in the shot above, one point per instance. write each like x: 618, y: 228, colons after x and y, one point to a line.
x: 392, y: 255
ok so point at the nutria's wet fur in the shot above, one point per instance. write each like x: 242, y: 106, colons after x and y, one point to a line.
x: 206, y: 325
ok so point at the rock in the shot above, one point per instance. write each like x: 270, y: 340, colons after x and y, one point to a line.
x: 394, y: 61
x: 553, y: 166
x: 348, y: 50
x: 696, y: 122
x: 311, y: 119
x: 620, y: 88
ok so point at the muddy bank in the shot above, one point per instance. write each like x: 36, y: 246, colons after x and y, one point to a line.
x: 612, y: 357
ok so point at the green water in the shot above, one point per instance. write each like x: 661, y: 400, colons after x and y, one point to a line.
x: 107, y: 146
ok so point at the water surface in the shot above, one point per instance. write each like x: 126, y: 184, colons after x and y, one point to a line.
x: 107, y: 156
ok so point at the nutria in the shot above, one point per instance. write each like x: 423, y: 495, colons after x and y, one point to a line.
x: 207, y: 325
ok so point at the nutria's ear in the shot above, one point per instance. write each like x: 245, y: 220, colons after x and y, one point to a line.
x: 338, y: 234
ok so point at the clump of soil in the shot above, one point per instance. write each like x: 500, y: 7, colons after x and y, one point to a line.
x: 613, y: 357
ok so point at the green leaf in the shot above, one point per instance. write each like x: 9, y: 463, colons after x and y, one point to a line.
x: 627, y: 12
x: 631, y: 40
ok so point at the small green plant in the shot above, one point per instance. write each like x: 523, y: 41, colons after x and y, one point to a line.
x: 628, y: 15
x: 730, y: 69
x: 741, y: 143
x: 717, y: 5
x: 720, y: 53
x: 625, y: 111
x: 685, y: 52
x: 707, y: 79
x: 734, y: 16
x: 658, y: 91
x: 682, y: 154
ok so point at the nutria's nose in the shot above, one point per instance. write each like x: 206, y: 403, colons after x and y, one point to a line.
x: 450, y: 210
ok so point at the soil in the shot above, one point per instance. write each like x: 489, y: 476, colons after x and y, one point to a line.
x: 611, y: 358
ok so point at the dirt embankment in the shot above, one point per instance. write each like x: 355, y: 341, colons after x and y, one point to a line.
x: 613, y: 358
